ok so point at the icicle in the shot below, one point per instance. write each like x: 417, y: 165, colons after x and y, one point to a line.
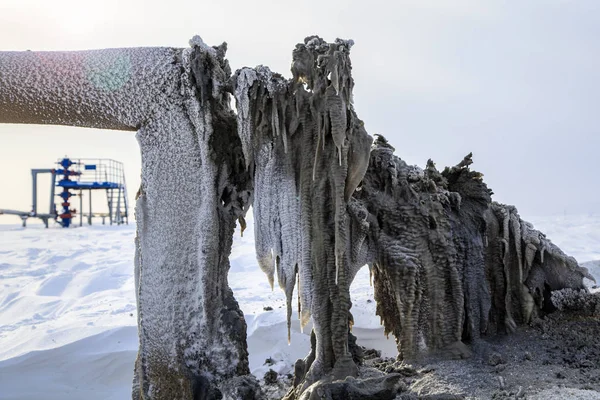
x: 359, y: 150
x: 335, y: 79
x: 528, y: 303
x: 505, y: 225
x: 266, y: 265
x: 530, y: 251
x: 337, y: 116
x: 504, y: 251
x: 288, y: 301
x: 325, y: 126
x: 299, y: 304
x: 320, y: 128
x: 284, y: 136
x: 242, y: 222
x: 316, y: 160
x: 359, y: 248
x: 337, y: 268
x: 304, y: 319
x: 298, y: 106
x: 516, y: 230
x: 324, y: 130
x: 275, y: 118
x: 245, y: 79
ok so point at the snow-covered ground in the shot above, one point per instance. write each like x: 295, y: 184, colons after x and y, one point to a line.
x: 68, y: 314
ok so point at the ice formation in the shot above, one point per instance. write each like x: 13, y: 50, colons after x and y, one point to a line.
x: 310, y: 152
x: 448, y: 264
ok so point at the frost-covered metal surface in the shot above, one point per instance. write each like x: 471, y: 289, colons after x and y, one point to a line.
x: 194, y: 188
x: 111, y: 88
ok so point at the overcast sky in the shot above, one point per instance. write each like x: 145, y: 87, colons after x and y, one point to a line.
x: 515, y: 82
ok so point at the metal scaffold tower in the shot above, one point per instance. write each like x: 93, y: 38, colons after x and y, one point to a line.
x: 72, y: 178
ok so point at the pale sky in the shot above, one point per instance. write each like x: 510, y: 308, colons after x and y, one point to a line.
x: 515, y: 82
